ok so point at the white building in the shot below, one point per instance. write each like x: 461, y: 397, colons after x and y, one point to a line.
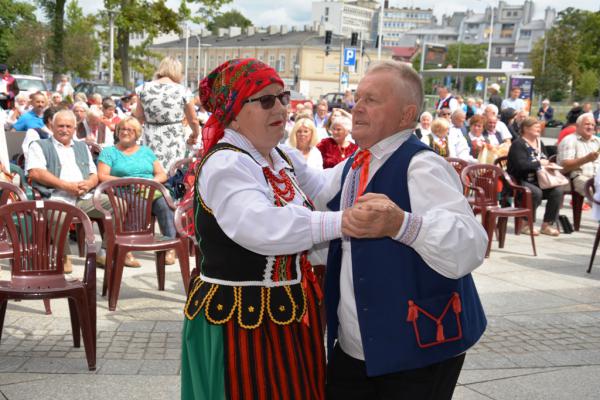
x: 397, y: 21
x: 344, y: 17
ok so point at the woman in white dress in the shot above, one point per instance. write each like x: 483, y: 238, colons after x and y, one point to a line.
x: 162, y: 105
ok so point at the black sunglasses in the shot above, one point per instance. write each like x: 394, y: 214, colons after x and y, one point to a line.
x: 268, y: 100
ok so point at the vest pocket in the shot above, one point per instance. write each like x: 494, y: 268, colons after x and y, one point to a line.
x: 435, y: 320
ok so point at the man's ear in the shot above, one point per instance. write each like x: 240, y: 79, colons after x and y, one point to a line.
x: 409, y: 116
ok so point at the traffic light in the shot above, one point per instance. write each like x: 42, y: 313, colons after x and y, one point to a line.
x: 377, y: 42
x: 328, y: 35
x: 354, y: 39
x: 327, y: 50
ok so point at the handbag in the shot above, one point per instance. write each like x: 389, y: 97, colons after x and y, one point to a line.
x: 549, y: 178
x: 565, y: 224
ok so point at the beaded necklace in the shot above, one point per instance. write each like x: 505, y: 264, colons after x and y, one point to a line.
x: 286, y: 193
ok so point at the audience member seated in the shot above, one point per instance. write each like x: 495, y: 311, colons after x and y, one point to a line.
x: 304, y: 137
x: 35, y: 134
x: 92, y: 130
x: 424, y: 126
x: 447, y: 142
x: 492, y: 111
x: 109, y: 116
x: 21, y: 107
x: 321, y: 115
x: 507, y: 117
x: 570, y: 127
x: 95, y: 101
x: 128, y: 159
x: 337, y: 148
x: 55, y: 99
x: 80, y: 110
x: 33, y: 118
x: 526, y: 156
x: 62, y: 169
x: 578, y: 153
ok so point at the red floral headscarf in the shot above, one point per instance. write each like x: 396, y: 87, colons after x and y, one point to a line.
x: 225, y: 89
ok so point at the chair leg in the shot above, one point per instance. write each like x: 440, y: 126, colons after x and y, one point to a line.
x: 502, y: 222
x: 108, y: 268
x: 518, y: 222
x: 490, y: 227
x: 577, y: 209
x: 47, y: 307
x: 117, y: 276
x: 75, y: 325
x: 184, y: 263
x: 80, y: 235
x: 530, y: 222
x: 3, y: 304
x: 596, y: 241
x: 160, y: 269
x: 89, y: 339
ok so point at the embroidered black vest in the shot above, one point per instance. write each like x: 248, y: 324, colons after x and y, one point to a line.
x: 235, y: 282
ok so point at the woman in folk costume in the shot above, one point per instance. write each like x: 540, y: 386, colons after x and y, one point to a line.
x: 252, y: 328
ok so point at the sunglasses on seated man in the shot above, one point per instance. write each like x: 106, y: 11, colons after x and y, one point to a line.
x: 268, y: 100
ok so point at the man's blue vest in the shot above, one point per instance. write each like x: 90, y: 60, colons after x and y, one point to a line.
x: 409, y: 315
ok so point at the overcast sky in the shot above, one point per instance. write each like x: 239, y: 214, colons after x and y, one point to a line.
x: 298, y: 12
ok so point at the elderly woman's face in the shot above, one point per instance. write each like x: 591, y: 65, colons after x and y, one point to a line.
x: 79, y: 113
x: 476, y: 128
x: 339, y: 133
x: 426, y: 122
x: 264, y: 128
x: 303, y: 136
x: 127, y: 135
x: 532, y: 131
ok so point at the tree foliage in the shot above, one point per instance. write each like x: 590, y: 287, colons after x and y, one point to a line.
x: 12, y: 15
x: 23, y: 53
x: 227, y: 19
x: 55, y: 12
x: 81, y: 48
x: 572, y: 48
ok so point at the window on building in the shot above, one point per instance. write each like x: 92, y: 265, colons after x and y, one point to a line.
x: 281, y: 63
x: 510, y: 51
x: 498, y: 51
x: 525, y: 33
x: 326, y: 11
x: 272, y: 60
x: 507, y: 30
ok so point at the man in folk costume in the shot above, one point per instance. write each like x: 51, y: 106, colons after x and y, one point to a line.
x: 252, y: 327
x: 402, y: 308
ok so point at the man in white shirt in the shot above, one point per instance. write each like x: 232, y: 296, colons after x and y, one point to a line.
x: 423, y: 242
x: 514, y: 101
x: 492, y: 111
x: 62, y: 169
x: 446, y: 99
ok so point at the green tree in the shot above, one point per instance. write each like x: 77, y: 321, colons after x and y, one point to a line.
x: 23, y: 53
x: 587, y: 85
x: 12, y: 13
x: 55, y: 12
x: 81, y: 48
x: 227, y: 19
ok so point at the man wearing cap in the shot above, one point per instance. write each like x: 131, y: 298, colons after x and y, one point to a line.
x: 124, y: 105
x: 8, y: 88
x: 514, y: 101
x: 495, y: 98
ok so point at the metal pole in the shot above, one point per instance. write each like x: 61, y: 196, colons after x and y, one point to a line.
x: 341, y: 64
x: 111, y: 47
x: 380, y: 31
x: 205, y: 58
x: 199, y: 38
x: 423, y: 56
x: 543, y: 64
x: 489, y: 55
x: 185, y: 73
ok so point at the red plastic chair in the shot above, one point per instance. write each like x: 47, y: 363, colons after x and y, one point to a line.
x: 483, y: 180
x: 12, y: 193
x: 576, y: 198
x: 129, y: 226
x: 458, y: 164
x: 184, y: 224
x: 37, y: 267
x: 589, y: 195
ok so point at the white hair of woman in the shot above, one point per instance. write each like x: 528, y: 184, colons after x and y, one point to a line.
x: 342, y: 121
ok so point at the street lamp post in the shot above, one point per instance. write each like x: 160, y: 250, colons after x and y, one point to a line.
x: 185, y: 68
x: 380, y: 31
x: 111, y: 46
x: 199, y: 39
x: 489, y: 55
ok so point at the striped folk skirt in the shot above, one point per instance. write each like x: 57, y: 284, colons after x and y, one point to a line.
x: 270, y: 362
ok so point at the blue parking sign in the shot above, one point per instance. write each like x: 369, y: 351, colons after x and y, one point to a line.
x: 349, y: 56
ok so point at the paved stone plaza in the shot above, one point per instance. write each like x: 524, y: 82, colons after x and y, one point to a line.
x: 542, y: 341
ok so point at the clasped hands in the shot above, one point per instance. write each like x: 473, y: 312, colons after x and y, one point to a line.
x: 79, y: 188
x: 373, y: 216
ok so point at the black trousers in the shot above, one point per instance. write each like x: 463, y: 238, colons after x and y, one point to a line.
x: 347, y: 380
x: 554, y: 197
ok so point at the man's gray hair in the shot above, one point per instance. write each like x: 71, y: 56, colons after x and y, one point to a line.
x: 65, y: 114
x: 585, y: 116
x: 409, y: 78
x: 492, y: 107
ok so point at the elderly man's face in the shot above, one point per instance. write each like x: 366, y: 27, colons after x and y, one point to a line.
x: 63, y: 129
x: 322, y: 111
x: 79, y: 113
x: 490, y: 125
x: 458, y: 120
x: 586, y: 128
x: 380, y: 109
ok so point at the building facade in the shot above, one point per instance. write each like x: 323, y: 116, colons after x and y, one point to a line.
x: 345, y: 17
x: 299, y: 56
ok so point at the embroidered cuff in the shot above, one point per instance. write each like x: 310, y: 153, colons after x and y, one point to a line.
x: 411, y: 226
x: 326, y: 225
